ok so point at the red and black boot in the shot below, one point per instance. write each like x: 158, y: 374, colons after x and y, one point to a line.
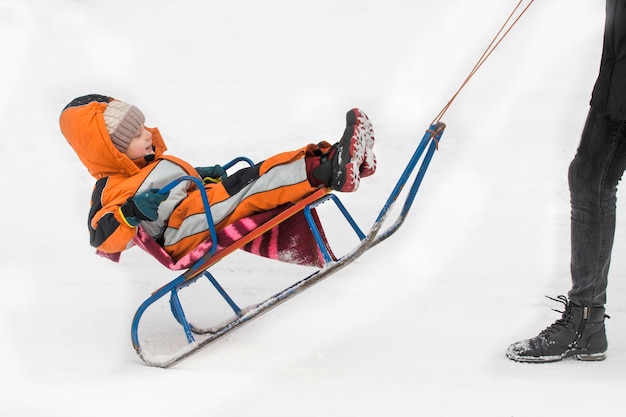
x: 341, y: 167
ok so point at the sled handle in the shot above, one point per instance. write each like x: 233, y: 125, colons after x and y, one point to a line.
x: 205, y: 202
x: 237, y: 160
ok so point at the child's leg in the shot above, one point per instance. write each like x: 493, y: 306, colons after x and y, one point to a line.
x: 278, y: 180
x: 284, y: 178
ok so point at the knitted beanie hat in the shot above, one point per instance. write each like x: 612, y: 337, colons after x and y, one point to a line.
x: 122, y: 120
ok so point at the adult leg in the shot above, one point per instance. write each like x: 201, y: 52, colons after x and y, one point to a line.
x: 593, y: 177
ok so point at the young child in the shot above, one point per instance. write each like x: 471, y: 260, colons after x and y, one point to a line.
x: 129, y: 163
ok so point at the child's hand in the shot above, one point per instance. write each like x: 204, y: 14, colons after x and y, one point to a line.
x: 213, y: 173
x: 143, y: 206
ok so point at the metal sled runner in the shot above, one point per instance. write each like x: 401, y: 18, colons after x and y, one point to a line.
x: 199, y: 337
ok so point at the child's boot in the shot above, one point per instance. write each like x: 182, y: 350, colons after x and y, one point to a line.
x: 339, y: 168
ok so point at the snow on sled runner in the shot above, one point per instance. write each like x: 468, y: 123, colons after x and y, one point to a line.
x: 264, y: 234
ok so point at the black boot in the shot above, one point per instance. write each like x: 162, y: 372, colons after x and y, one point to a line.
x: 579, y: 333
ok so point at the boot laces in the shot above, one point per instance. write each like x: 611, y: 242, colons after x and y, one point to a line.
x: 564, y: 322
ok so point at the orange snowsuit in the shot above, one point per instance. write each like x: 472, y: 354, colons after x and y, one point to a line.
x: 182, y: 223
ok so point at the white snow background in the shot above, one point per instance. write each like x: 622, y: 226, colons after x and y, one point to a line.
x: 416, y: 327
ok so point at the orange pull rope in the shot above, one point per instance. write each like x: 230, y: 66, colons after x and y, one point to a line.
x: 510, y: 22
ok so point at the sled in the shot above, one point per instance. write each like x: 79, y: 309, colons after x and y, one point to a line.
x: 221, y: 244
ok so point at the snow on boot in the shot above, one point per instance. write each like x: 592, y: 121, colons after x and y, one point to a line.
x: 579, y: 333
x: 369, y: 163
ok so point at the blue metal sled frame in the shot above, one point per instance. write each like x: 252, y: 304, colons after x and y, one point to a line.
x: 197, y: 338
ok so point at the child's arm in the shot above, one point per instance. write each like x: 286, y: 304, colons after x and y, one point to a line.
x: 108, y: 231
x: 114, y: 226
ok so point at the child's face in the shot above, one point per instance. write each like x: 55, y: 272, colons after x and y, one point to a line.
x: 140, y: 145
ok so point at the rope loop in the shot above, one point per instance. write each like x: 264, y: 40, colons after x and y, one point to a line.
x: 435, y: 131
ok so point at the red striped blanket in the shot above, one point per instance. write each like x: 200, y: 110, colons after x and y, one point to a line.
x: 291, y: 241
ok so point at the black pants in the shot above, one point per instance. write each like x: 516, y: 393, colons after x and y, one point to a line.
x: 594, y: 174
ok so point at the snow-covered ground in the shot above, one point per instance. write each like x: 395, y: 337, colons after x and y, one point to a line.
x: 420, y: 324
